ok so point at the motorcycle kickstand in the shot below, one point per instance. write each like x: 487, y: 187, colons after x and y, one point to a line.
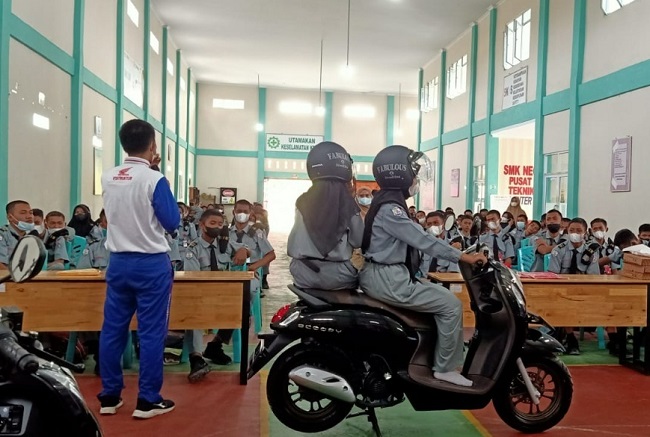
x: 372, y: 418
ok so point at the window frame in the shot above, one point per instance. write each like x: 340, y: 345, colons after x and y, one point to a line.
x: 516, y: 40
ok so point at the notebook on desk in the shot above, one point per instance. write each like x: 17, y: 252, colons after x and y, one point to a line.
x: 539, y: 275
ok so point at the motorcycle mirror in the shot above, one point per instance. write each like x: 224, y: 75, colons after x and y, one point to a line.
x: 27, y: 259
x: 450, y: 221
x: 476, y: 227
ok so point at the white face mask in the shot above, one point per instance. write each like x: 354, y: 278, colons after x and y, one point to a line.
x: 242, y: 217
x: 599, y: 235
x: 421, y: 221
x: 575, y: 238
x: 435, y: 230
x: 39, y: 228
x: 493, y: 226
x: 364, y: 201
x: 513, y: 204
x: 55, y: 230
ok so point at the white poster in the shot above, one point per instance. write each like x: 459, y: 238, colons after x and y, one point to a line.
x: 515, y: 86
x: 499, y: 202
x: 291, y: 143
x: 133, y: 81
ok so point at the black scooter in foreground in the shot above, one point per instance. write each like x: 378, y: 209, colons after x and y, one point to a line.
x: 353, y: 350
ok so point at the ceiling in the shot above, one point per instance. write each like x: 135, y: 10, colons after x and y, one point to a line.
x: 232, y: 41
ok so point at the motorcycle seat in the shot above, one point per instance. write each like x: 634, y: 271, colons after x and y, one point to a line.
x: 413, y: 319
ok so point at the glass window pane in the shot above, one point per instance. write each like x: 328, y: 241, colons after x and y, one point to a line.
x: 610, y: 6
x: 525, y: 43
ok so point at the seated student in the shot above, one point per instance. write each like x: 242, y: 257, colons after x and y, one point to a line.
x: 542, y: 222
x: 209, y: 252
x: 39, y: 222
x: 96, y: 255
x: 606, y: 246
x: 574, y: 257
x: 435, y: 225
x: 500, y: 244
x: 242, y: 235
x: 508, y: 222
x: 421, y: 218
x: 81, y: 221
x: 644, y: 234
x: 547, y: 239
x: 483, y: 213
x: 530, y: 230
x: 56, y: 237
x: 321, y: 245
x: 412, y: 212
x: 21, y: 223
x: 186, y: 232
x: 468, y: 213
x: 465, y: 237
x: 564, y: 224
x: 519, y: 231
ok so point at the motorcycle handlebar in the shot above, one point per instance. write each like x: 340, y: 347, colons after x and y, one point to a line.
x: 13, y: 355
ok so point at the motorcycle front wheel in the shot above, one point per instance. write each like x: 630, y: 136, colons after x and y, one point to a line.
x: 552, y: 380
x: 299, y: 408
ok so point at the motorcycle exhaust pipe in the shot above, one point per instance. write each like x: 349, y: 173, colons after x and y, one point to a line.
x: 321, y: 381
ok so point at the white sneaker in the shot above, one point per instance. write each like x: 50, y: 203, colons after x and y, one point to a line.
x: 453, y: 378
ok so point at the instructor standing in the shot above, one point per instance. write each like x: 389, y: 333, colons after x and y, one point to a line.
x: 139, y: 207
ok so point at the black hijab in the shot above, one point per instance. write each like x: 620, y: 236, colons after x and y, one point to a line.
x: 327, y: 195
x: 412, y: 256
x: 82, y: 225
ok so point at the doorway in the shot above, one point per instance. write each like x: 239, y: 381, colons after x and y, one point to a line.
x: 280, y: 197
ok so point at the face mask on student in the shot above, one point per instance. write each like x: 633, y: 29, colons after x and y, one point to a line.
x: 24, y: 226
x: 493, y: 226
x: 39, y: 228
x: 553, y: 227
x: 575, y: 238
x: 212, y: 232
x: 504, y: 223
x: 435, y: 230
x: 55, y: 230
x: 421, y: 221
x: 513, y: 204
x: 242, y: 217
x: 364, y: 201
x: 600, y: 235
x: 521, y: 225
x: 81, y: 217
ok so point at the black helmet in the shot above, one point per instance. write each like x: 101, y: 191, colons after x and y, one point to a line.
x: 396, y: 167
x: 328, y: 160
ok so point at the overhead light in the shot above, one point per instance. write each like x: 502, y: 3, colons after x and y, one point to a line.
x: 412, y: 114
x: 154, y: 43
x: 347, y: 70
x: 170, y: 67
x: 133, y: 13
x: 227, y: 104
x: 320, y: 111
x: 295, y: 107
x: 97, y: 142
x: 41, y: 98
x: 259, y: 127
x: 41, y: 121
x: 359, y: 111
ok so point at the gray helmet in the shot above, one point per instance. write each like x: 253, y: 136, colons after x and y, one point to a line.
x: 396, y: 167
x: 328, y: 160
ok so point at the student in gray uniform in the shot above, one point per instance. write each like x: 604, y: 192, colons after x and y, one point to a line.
x: 96, y: 255
x: 21, y: 223
x: 391, y: 242
x: 606, y: 246
x: 547, y: 239
x: 209, y: 252
x: 435, y: 225
x: 321, y: 245
x: 499, y: 243
x: 186, y: 232
x: 574, y: 257
x: 55, y: 240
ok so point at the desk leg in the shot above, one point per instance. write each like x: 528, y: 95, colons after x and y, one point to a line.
x: 645, y: 338
x: 245, y: 327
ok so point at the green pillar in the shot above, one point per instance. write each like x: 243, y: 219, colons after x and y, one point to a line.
x: 542, y: 63
x: 419, y: 132
x: 5, y: 13
x: 329, y: 108
x: 147, y: 52
x: 441, y: 125
x: 196, y: 129
x: 390, y: 120
x: 187, y: 136
x: 177, y: 123
x: 491, y: 143
x: 577, y: 66
x: 163, y: 118
x: 469, y: 177
x: 261, y: 142
x: 76, y: 104
x: 119, y: 79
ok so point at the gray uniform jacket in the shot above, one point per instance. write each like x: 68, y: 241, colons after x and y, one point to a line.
x: 563, y: 254
x: 538, y: 266
x: 59, y: 251
x: 197, y: 256
x: 336, y: 272
x: 8, y: 241
x: 257, y: 243
x: 186, y: 234
x: 95, y: 255
x: 504, y: 242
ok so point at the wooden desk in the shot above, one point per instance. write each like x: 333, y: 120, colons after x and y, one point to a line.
x: 200, y: 300
x: 580, y: 300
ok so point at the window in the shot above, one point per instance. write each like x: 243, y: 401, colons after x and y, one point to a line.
x: 556, y: 169
x: 479, y: 187
x: 516, y: 41
x: 457, y: 78
x: 430, y: 93
x: 133, y: 13
x: 154, y: 43
x: 227, y: 104
x: 610, y: 6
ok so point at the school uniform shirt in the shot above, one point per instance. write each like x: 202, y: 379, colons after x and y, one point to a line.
x: 95, y: 255
x: 538, y: 266
x: 567, y: 259
x: 139, y: 208
x: 466, y: 241
x: 430, y: 264
x: 250, y: 238
x: 198, y: 256
x: 503, y: 243
x: 186, y: 233
x: 8, y: 240
x: 56, y: 251
x: 606, y: 249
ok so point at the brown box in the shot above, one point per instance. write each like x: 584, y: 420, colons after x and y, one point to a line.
x: 636, y: 259
x: 634, y: 275
x: 635, y: 268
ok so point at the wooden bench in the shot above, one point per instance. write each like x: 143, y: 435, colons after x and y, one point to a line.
x: 200, y: 300
x: 579, y: 301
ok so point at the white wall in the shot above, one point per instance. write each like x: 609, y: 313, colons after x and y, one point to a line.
x: 556, y: 133
x: 281, y: 123
x: 171, y: 87
x: 430, y: 119
x: 456, y: 109
x: 156, y: 70
x: 560, y: 38
x: 454, y: 157
x: 52, y: 18
x: 625, y: 115
x: 617, y: 40
x: 479, y: 150
x: 100, y: 22
x: 359, y: 136
x: 217, y: 171
x: 480, y: 111
x: 428, y: 190
x: 405, y: 130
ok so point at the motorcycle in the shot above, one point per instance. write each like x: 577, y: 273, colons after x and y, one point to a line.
x: 353, y: 350
x: 38, y: 393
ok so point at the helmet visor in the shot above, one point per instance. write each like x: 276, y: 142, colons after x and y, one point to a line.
x: 422, y: 166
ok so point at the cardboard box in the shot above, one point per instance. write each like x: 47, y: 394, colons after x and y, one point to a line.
x: 636, y: 259
x: 634, y: 275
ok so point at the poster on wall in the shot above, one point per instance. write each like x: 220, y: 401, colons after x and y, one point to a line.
x: 428, y: 192
x: 515, y: 86
x: 499, y: 202
x: 520, y: 184
x: 228, y: 196
x: 621, y: 165
x: 455, y: 182
x: 291, y: 143
x: 133, y: 80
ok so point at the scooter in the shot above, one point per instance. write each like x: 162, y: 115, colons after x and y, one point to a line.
x: 353, y: 350
x: 38, y: 393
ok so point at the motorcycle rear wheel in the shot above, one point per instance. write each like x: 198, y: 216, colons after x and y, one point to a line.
x: 552, y: 379
x: 299, y: 408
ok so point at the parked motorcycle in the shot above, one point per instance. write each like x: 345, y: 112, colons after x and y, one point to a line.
x: 353, y: 350
x: 38, y: 394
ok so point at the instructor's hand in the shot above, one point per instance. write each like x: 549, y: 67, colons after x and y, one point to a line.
x: 474, y: 258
